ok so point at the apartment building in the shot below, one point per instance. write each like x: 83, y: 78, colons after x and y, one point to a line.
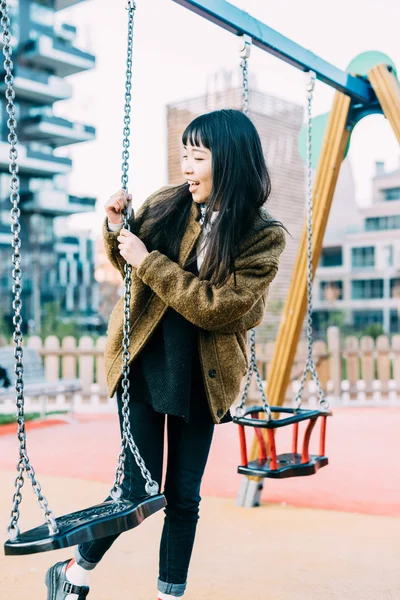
x: 56, y: 267
x: 359, y: 273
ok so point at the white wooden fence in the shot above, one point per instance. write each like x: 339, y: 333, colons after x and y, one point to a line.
x: 358, y: 372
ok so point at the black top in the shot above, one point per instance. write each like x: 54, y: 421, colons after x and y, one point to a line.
x: 167, y: 372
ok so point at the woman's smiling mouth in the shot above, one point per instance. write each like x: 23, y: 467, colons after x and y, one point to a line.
x: 193, y: 185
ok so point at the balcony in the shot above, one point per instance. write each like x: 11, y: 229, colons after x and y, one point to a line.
x: 55, y: 131
x: 33, y: 162
x: 58, y: 203
x: 65, y: 31
x: 37, y: 87
x: 60, y: 56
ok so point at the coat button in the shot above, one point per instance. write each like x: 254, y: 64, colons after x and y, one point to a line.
x: 220, y: 413
x: 212, y: 373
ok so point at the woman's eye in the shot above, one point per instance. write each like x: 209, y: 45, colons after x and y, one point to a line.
x: 199, y: 159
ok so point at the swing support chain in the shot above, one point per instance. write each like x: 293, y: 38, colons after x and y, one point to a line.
x: 127, y: 440
x: 245, y: 48
x: 240, y: 409
x: 24, y: 461
x: 310, y: 364
x: 244, y: 51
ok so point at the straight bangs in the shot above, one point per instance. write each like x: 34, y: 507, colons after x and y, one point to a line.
x: 197, y: 133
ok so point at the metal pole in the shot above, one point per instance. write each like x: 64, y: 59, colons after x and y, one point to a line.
x: 237, y: 21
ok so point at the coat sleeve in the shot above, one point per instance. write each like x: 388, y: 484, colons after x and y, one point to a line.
x: 110, y: 237
x: 248, y: 321
x: 201, y: 302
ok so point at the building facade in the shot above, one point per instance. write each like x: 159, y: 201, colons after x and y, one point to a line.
x: 359, y: 273
x: 57, y: 266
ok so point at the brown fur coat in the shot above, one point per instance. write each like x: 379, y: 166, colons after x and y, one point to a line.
x: 223, y: 315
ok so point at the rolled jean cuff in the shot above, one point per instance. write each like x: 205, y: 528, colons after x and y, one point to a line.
x: 82, y: 562
x: 175, y: 589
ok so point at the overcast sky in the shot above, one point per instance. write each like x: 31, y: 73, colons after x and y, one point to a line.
x: 174, y: 53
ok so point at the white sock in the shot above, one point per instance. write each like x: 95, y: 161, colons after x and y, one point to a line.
x: 162, y: 596
x: 78, y: 576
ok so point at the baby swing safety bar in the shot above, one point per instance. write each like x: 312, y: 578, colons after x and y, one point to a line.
x: 117, y: 514
x: 290, y: 464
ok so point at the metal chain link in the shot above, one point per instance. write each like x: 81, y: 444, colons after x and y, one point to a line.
x: 127, y: 441
x: 23, y: 462
x: 245, y: 49
x: 253, y: 368
x: 245, y: 42
x: 310, y: 364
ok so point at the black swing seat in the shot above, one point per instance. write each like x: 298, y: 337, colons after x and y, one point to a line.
x: 280, y: 466
x: 101, y: 520
x: 289, y: 465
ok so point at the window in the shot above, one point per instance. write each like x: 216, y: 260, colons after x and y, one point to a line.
x: 395, y: 288
x: 322, y: 319
x: 363, y: 257
x: 367, y: 289
x: 392, y: 194
x: 394, y: 321
x: 331, y: 257
x: 331, y: 290
x: 363, y: 318
x: 382, y: 223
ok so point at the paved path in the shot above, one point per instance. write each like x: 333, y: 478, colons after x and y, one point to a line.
x: 275, y: 552
x: 268, y: 553
x: 363, y: 448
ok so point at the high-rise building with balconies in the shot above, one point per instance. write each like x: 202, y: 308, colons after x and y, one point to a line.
x: 56, y: 268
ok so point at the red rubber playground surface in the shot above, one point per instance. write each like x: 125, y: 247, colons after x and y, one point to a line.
x: 363, y: 446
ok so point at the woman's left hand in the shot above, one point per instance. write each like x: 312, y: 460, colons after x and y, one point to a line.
x: 131, y: 248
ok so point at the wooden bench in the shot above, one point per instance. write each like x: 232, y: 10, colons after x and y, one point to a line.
x: 35, y: 383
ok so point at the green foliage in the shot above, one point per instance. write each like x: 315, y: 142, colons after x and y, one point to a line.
x: 374, y: 330
x: 54, y: 323
x: 334, y: 319
x: 6, y: 419
x: 338, y: 319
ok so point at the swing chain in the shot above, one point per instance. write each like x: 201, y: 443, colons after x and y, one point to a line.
x: 23, y: 462
x: 240, y: 409
x: 310, y: 364
x: 127, y: 441
x: 127, y: 107
x: 245, y: 48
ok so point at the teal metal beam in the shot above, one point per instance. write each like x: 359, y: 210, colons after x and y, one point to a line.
x: 237, y: 21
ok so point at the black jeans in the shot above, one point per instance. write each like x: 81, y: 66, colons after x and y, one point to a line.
x: 188, y: 450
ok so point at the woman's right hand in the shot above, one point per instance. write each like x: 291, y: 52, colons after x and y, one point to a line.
x: 116, y: 204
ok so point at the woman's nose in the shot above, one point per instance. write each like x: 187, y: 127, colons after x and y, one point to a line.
x: 187, y: 168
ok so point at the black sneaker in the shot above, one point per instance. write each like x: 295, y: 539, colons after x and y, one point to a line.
x: 58, y: 585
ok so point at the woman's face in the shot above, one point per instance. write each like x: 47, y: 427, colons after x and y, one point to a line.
x: 197, y: 170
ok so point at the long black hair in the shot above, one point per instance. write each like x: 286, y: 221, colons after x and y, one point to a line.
x: 241, y: 186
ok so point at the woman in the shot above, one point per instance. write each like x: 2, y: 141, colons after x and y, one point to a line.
x: 196, y: 290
